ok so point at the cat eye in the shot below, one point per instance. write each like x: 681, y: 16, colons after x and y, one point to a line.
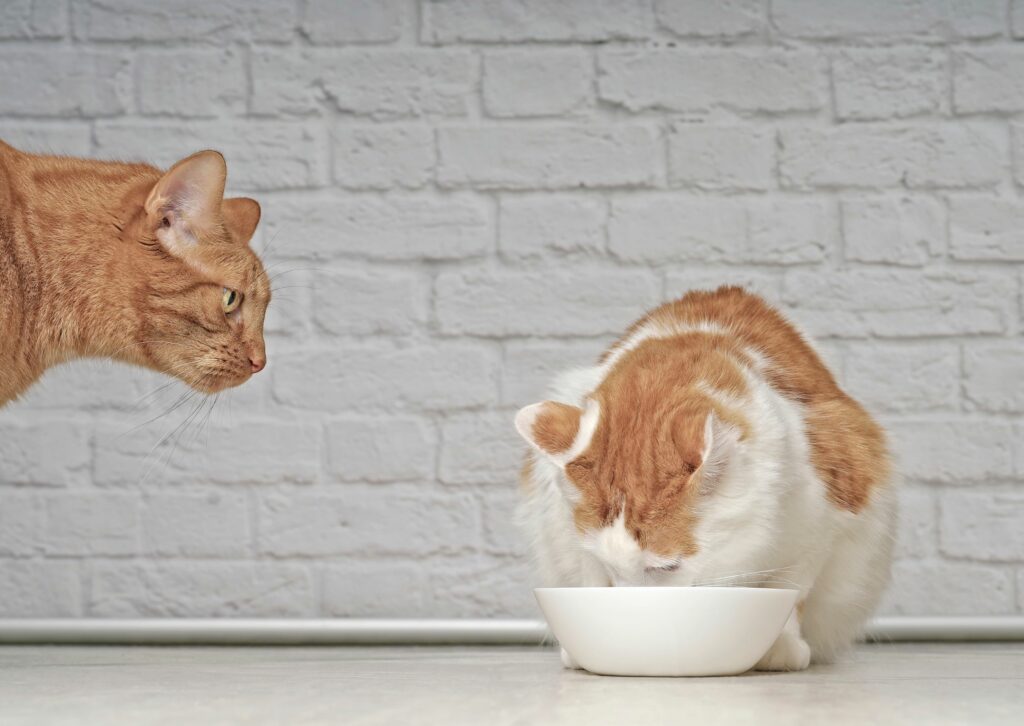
x: 665, y: 568
x: 230, y: 300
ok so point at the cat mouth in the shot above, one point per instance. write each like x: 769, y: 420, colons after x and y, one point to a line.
x: 217, y: 381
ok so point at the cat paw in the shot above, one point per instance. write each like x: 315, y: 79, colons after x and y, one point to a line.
x: 789, y: 653
x: 568, y: 661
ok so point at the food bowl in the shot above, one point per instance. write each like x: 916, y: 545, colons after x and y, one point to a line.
x: 666, y: 631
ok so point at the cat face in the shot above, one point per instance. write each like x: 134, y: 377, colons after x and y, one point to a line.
x: 641, y: 464
x: 200, y: 292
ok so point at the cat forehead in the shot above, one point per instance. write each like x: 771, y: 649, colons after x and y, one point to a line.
x: 234, y: 267
x: 617, y: 544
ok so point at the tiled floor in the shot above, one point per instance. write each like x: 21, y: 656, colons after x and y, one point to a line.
x: 879, y: 684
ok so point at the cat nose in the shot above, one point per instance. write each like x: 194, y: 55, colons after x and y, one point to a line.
x: 258, y: 363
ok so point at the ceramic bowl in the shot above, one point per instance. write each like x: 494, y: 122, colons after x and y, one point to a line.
x: 666, y: 631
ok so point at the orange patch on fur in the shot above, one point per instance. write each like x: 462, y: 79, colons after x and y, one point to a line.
x: 82, y: 273
x: 556, y: 426
x: 649, y: 440
x: 646, y: 452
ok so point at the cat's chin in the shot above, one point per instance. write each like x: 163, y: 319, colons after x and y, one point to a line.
x: 210, y: 385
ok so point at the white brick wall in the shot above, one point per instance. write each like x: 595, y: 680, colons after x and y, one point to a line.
x: 463, y: 196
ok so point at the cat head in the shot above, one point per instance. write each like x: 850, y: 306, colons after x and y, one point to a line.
x: 641, y: 464
x: 199, y: 290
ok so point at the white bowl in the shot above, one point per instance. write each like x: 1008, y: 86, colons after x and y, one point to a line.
x: 666, y: 631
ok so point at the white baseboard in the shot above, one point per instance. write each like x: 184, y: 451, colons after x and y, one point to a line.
x: 343, y: 631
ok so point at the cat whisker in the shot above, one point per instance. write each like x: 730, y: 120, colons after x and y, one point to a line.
x: 266, y: 248
x: 289, y: 271
x: 183, y: 424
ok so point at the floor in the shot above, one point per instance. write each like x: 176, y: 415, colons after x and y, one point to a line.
x: 494, y: 686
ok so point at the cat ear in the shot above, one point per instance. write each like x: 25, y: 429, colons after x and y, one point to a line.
x: 720, y: 439
x: 241, y: 215
x: 559, y: 430
x: 187, y: 197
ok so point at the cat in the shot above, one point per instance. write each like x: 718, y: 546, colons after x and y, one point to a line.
x: 122, y: 261
x: 711, y: 445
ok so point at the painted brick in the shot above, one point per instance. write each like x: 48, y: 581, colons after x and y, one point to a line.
x: 920, y: 157
x: 887, y: 19
x: 54, y: 453
x: 40, y: 589
x: 61, y: 82
x: 899, y: 303
x: 92, y: 524
x: 766, y: 284
x: 917, y: 534
x: 61, y: 138
x: 988, y: 79
x: 187, y: 20
x: 662, y: 228
x: 518, y: 157
x: 789, y: 231
x: 530, y: 366
x: 480, y: 449
x: 533, y: 20
x: 372, y: 521
x: 904, y: 377
x: 889, y: 83
x: 384, y: 449
x: 359, y: 377
x: 249, y: 452
x: 536, y: 225
x: 387, y: 588
x: 352, y: 21
x: 32, y: 19
x: 721, y: 157
x: 394, y: 227
x: 92, y: 385
x: 493, y: 587
x: 727, y: 19
x: 191, y: 82
x: 933, y: 587
x: 992, y: 375
x: 707, y: 80
x: 22, y: 525
x: 462, y: 198
x: 260, y: 155
x: 982, y: 526
x: 502, y: 534
x: 536, y: 82
x: 380, y: 84
x: 477, y: 302
x: 383, y: 158
x: 893, y: 230
x: 211, y: 524
x: 367, y: 302
x: 127, y: 589
x: 953, y: 451
x: 986, y: 228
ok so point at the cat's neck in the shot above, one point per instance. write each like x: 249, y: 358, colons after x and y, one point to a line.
x: 67, y: 291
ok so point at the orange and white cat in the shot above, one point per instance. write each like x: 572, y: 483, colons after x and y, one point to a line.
x: 126, y: 262
x: 711, y: 445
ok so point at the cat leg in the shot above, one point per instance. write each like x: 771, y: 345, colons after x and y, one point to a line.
x: 790, y: 651
x: 852, y: 582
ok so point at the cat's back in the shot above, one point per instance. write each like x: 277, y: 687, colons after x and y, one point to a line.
x: 791, y: 364
x: 53, y: 185
x: 7, y: 159
x: 847, y: 446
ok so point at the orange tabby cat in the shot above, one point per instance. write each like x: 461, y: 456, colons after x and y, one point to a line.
x: 123, y: 261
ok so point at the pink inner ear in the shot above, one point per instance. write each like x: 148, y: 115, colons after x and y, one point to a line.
x: 194, y: 187
x: 719, y: 443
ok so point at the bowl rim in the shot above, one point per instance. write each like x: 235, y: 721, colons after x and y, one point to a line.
x: 667, y: 588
